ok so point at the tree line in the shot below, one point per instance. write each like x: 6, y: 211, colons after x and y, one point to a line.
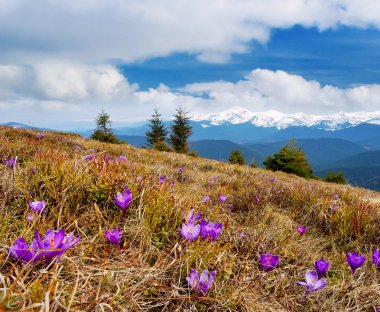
x: 158, y: 137
x: 290, y: 159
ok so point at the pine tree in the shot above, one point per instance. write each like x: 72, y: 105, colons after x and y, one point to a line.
x: 335, y: 177
x: 180, y: 132
x: 236, y: 157
x: 290, y: 159
x: 103, y: 130
x: 157, y: 134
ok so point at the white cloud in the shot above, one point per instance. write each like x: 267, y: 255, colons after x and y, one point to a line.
x: 64, y: 92
x: 130, y: 30
x: 265, y: 90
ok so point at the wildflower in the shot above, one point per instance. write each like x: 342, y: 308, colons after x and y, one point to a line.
x: 122, y: 158
x: 336, y: 196
x: 191, y: 218
x: 271, y: 180
x: 301, y: 229
x: 206, y: 199
x: 322, y: 267
x: 335, y: 207
x: 55, y: 243
x: 180, y: 169
x: 123, y: 200
x: 89, y: 157
x: 40, y: 135
x: 106, y: 158
x: 37, y: 206
x: 21, y: 251
x: 161, y: 180
x: 210, y: 230
x: 243, y: 235
x: 355, y: 260
x: 114, y: 236
x: 30, y: 217
x: 11, y: 162
x: 376, y: 258
x: 223, y: 198
x: 190, y: 231
x: 201, y: 284
x: 269, y: 262
x: 312, y: 282
x: 256, y: 198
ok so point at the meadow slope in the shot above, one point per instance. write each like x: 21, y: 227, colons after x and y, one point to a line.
x: 147, y: 273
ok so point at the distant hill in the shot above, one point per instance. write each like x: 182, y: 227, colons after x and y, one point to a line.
x: 366, y: 159
x: 135, y: 140
x: 360, y: 170
x: 221, y: 149
x: 318, y: 151
x: 18, y: 125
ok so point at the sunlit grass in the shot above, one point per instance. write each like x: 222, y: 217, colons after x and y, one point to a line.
x: 148, y: 271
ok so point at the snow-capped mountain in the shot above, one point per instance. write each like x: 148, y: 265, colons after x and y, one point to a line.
x: 271, y: 118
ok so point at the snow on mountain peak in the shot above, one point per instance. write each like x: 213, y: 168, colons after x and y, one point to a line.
x: 272, y: 118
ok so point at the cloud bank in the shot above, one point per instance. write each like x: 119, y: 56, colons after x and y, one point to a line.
x: 56, y: 56
x: 67, y: 91
x: 130, y: 30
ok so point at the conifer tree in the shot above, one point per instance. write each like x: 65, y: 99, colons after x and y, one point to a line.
x: 236, y: 157
x: 157, y: 134
x: 181, y: 130
x: 290, y: 159
x: 103, y: 130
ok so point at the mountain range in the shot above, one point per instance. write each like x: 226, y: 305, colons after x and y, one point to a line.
x: 349, y: 142
x: 272, y: 118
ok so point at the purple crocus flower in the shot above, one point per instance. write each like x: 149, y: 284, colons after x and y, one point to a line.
x: 223, y: 198
x: 69, y: 241
x: 114, y: 235
x: 123, y: 200
x: 122, y: 158
x: 52, y: 244
x: 322, y: 267
x: 336, y: 196
x: 190, y: 231
x: 271, y: 180
x: 206, y: 199
x: 11, y: 162
x: 21, y: 251
x: 210, y: 230
x: 55, y: 243
x: 301, y: 229
x: 40, y: 135
x: 30, y: 217
x: 312, y: 282
x: 37, y: 206
x: 269, y: 262
x: 376, y: 258
x: 191, y: 217
x: 200, y: 284
x: 180, y: 169
x: 256, y: 198
x: 89, y: 157
x: 355, y: 260
x: 106, y: 158
x: 161, y: 180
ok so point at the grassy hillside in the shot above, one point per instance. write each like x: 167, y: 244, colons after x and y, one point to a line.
x: 148, y: 272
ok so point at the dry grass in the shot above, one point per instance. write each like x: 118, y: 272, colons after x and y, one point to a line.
x: 148, y: 272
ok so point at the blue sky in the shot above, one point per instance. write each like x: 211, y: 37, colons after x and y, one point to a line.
x: 61, y: 62
x: 341, y: 57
